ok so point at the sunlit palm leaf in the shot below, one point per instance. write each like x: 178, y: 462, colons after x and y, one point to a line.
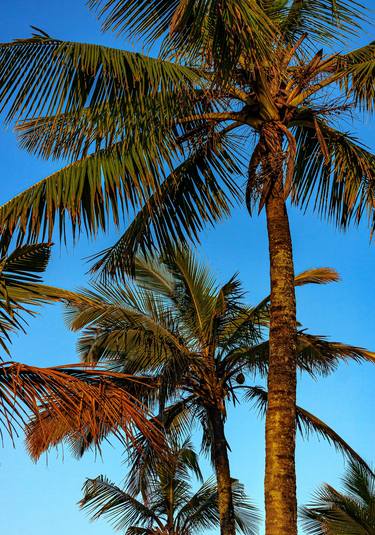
x: 45, y: 76
x: 358, y: 74
x: 85, y: 192
x: 81, y: 400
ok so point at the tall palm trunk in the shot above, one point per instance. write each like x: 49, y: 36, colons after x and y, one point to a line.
x: 224, y: 484
x: 280, y: 477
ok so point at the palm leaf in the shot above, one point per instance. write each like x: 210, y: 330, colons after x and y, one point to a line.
x: 349, y: 512
x: 357, y: 71
x: 45, y: 76
x: 343, y: 186
x: 85, y: 192
x: 333, y: 20
x: 198, y: 191
x: 308, y: 423
x: 205, y: 28
x: 20, y: 287
x: 82, y: 400
x: 103, y: 498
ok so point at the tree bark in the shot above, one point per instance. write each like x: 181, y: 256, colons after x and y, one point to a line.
x: 280, y: 476
x: 223, y: 479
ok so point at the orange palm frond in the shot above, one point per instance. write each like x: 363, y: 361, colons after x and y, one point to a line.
x: 82, y: 401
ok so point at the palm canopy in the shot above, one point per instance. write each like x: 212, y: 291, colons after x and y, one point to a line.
x: 195, y: 341
x: 166, y: 504
x: 169, y: 136
x: 347, y: 512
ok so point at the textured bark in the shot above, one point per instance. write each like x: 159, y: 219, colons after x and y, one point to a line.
x: 280, y: 477
x: 224, y: 485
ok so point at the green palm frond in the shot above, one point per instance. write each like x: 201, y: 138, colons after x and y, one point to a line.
x: 349, y: 512
x: 200, y: 511
x: 20, y: 287
x: 199, y: 191
x: 357, y: 71
x: 193, y: 28
x: 316, y: 355
x: 246, y: 514
x: 44, y: 76
x: 308, y: 423
x: 323, y: 21
x: 163, y: 498
x: 340, y: 182
x: 319, y: 356
x: 103, y: 498
x: 85, y: 191
x: 118, y: 323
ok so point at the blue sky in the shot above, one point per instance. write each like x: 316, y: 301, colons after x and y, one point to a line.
x: 38, y: 498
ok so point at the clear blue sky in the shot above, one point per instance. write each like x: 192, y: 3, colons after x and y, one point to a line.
x: 40, y: 498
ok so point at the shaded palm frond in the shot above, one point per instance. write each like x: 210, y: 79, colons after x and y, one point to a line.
x: 103, y: 498
x: 342, y: 186
x: 317, y: 355
x: 20, y: 287
x: 333, y: 20
x: 349, y: 512
x: 194, y: 29
x: 307, y: 423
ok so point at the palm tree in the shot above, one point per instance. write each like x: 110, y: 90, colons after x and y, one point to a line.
x: 349, y: 512
x: 166, y: 505
x: 238, y: 88
x: 194, y: 341
x: 85, y: 401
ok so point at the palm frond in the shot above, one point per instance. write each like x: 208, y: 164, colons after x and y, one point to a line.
x: 201, y: 511
x: 194, y: 29
x: 323, y: 21
x: 103, y: 498
x: 85, y: 193
x: 200, y: 190
x: 20, y: 287
x: 45, y: 76
x: 78, y: 399
x: 357, y: 70
x: 342, y: 186
x: 349, y: 512
x: 319, y: 356
x: 308, y: 423
x: 143, y: 333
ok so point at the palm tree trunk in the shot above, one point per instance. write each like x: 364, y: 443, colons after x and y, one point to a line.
x: 223, y: 479
x: 280, y: 477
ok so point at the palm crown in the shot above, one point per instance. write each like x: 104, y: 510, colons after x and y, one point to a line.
x: 166, y: 505
x: 166, y: 135
x: 197, y: 344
